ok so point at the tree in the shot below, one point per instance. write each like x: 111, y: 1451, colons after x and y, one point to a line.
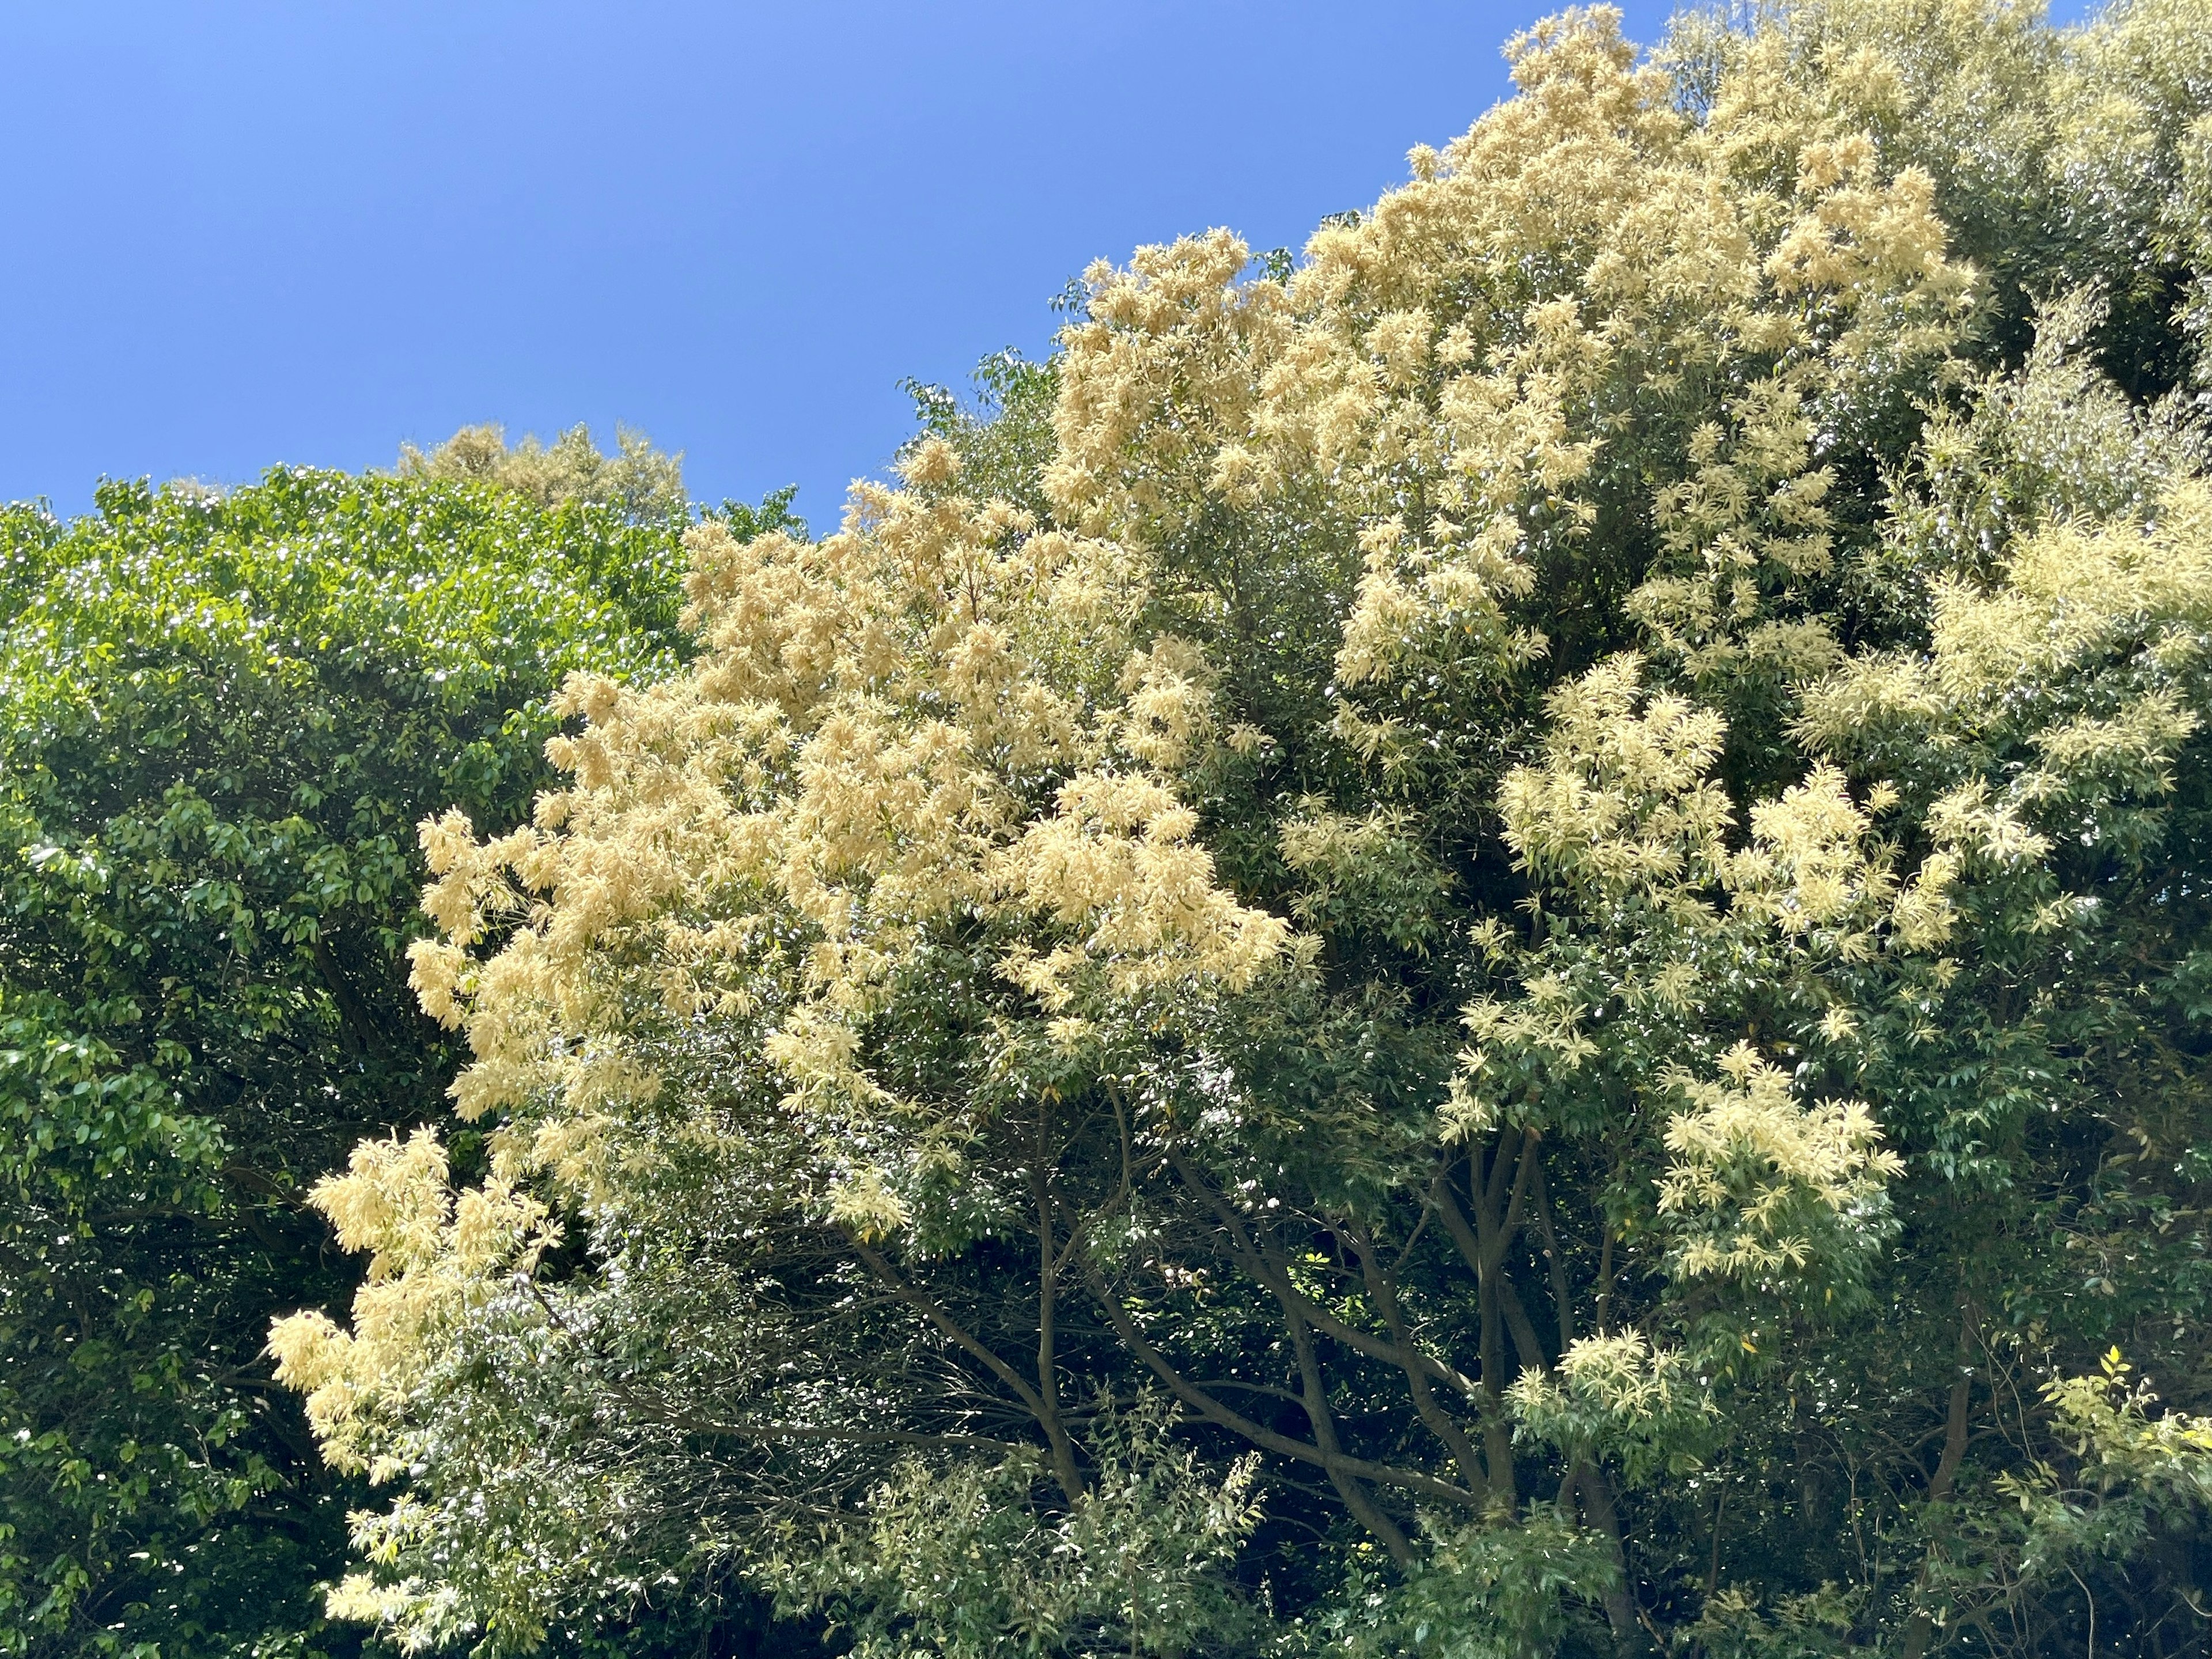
x: 222, y: 714
x: 1544, y: 869
x: 637, y: 478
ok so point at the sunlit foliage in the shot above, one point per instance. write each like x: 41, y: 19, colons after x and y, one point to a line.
x: 1503, y: 952
x: 637, y: 478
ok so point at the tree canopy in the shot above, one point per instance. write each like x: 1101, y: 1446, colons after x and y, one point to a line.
x: 220, y: 714
x: 1491, y: 941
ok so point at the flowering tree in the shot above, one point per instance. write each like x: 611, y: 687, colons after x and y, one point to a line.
x: 1504, y: 950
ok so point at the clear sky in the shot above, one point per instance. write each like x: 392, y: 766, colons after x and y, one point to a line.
x: 241, y: 235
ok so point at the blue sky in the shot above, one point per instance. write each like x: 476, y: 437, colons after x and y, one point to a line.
x: 242, y: 234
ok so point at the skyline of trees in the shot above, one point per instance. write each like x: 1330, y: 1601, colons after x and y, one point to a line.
x: 1486, y: 941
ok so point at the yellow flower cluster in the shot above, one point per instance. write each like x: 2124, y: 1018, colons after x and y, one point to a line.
x: 947, y: 710
x: 1450, y: 374
x: 1621, y: 1377
x: 1625, y: 799
x: 432, y: 1258
x: 941, y: 712
x: 1751, y: 1158
x: 2073, y: 603
x: 1624, y: 810
x: 941, y: 715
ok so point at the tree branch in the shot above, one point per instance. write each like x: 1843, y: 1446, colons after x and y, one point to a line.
x: 1047, y: 1364
x: 1920, y: 1628
x: 1274, y: 1276
x: 922, y: 1303
x: 1383, y: 1290
x: 1266, y: 1439
x: 1313, y: 1396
